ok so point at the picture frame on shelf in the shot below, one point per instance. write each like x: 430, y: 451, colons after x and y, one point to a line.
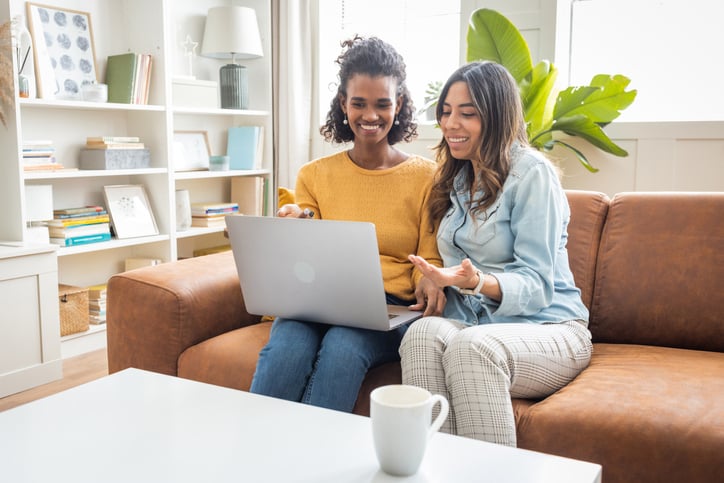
x: 64, y: 52
x: 191, y: 150
x: 130, y: 212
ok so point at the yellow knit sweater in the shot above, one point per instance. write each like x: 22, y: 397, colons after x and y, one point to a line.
x: 393, y: 199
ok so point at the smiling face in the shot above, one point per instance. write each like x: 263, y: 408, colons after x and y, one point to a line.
x: 460, y: 123
x: 371, y: 106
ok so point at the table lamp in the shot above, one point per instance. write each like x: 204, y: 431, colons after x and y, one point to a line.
x: 38, y: 208
x: 232, y: 33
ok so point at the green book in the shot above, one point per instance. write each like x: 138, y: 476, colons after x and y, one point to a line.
x: 121, y: 77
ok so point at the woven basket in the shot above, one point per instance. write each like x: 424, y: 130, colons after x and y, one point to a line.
x: 74, y: 311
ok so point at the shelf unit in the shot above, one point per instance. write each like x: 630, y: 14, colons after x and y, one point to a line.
x: 158, y: 27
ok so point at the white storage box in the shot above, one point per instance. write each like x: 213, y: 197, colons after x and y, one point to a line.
x: 195, y: 93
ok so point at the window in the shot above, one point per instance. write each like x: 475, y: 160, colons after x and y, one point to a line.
x: 425, y: 32
x: 670, y: 49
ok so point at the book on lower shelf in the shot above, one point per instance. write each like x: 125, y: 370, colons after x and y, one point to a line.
x: 206, y: 209
x: 79, y: 211
x: 248, y: 193
x: 81, y: 240
x: 97, y: 303
x: 79, y: 226
x: 212, y: 221
x: 39, y: 155
x: 76, y: 231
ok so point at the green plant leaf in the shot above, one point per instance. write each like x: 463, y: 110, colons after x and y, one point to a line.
x: 493, y: 37
x: 572, y: 98
x: 582, y: 126
x: 602, y: 101
x: 537, y: 100
x: 581, y: 157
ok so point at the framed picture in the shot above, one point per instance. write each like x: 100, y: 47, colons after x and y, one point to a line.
x: 63, y: 50
x: 130, y: 211
x: 191, y: 150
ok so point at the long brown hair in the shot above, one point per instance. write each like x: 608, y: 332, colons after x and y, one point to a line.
x: 497, y: 100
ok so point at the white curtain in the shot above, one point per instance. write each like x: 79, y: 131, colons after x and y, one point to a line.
x: 295, y: 58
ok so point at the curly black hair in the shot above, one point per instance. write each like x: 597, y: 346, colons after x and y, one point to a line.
x: 374, y: 57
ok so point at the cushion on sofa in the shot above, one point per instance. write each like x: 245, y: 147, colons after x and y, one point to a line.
x: 228, y: 359
x: 588, y: 213
x: 673, y: 427
x: 154, y: 313
x: 652, y: 244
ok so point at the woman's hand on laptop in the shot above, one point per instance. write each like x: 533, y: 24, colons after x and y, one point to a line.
x: 294, y: 211
x: 430, y: 298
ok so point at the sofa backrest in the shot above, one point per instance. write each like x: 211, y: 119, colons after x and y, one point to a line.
x: 660, y: 271
x: 588, y: 213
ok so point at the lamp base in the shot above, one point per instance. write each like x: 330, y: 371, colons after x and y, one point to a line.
x: 234, y: 87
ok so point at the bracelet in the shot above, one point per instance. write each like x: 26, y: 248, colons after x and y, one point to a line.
x: 478, y: 287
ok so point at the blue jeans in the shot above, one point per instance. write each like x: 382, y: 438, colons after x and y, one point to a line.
x: 319, y: 364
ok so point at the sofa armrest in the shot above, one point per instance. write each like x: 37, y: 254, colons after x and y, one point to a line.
x: 155, y: 313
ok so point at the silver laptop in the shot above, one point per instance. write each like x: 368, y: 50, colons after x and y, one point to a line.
x: 314, y: 270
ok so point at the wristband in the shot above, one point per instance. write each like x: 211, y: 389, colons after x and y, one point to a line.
x: 478, y: 287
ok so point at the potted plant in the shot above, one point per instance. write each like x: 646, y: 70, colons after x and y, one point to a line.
x: 580, y: 111
x: 432, y: 93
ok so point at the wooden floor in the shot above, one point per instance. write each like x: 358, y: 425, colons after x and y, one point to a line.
x: 76, y: 370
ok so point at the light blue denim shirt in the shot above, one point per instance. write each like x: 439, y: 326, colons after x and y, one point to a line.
x: 520, y: 240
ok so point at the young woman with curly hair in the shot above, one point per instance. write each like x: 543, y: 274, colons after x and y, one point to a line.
x: 373, y: 181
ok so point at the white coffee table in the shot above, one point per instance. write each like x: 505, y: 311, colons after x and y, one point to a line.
x: 138, y: 426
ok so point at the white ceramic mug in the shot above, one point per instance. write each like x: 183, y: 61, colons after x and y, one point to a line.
x: 401, y: 426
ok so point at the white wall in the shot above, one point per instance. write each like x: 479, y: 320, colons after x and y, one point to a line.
x: 685, y: 156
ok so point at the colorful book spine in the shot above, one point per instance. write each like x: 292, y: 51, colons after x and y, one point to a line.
x: 79, y: 215
x: 81, y: 209
x: 112, y: 139
x: 215, y: 211
x: 78, y: 230
x: 91, y: 220
x: 81, y: 240
x: 201, y: 209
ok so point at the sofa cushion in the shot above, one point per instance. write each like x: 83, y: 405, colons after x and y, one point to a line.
x: 656, y: 404
x: 228, y: 359
x: 155, y: 313
x: 588, y: 213
x: 659, y: 265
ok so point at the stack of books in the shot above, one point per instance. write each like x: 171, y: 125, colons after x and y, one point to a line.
x: 113, y: 142
x: 39, y: 155
x: 212, y: 214
x: 97, y: 304
x: 78, y: 226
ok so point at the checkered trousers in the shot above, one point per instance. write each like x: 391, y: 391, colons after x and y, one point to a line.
x: 479, y: 368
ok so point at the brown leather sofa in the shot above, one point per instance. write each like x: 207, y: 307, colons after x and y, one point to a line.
x: 649, y: 408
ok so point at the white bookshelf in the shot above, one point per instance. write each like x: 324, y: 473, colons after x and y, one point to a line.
x: 158, y: 27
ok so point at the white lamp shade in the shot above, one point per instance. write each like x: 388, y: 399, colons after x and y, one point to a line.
x: 38, y: 202
x: 232, y: 30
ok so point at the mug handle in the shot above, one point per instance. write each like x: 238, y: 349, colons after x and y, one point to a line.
x: 444, y: 408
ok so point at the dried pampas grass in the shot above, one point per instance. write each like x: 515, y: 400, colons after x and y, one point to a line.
x: 7, y: 94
